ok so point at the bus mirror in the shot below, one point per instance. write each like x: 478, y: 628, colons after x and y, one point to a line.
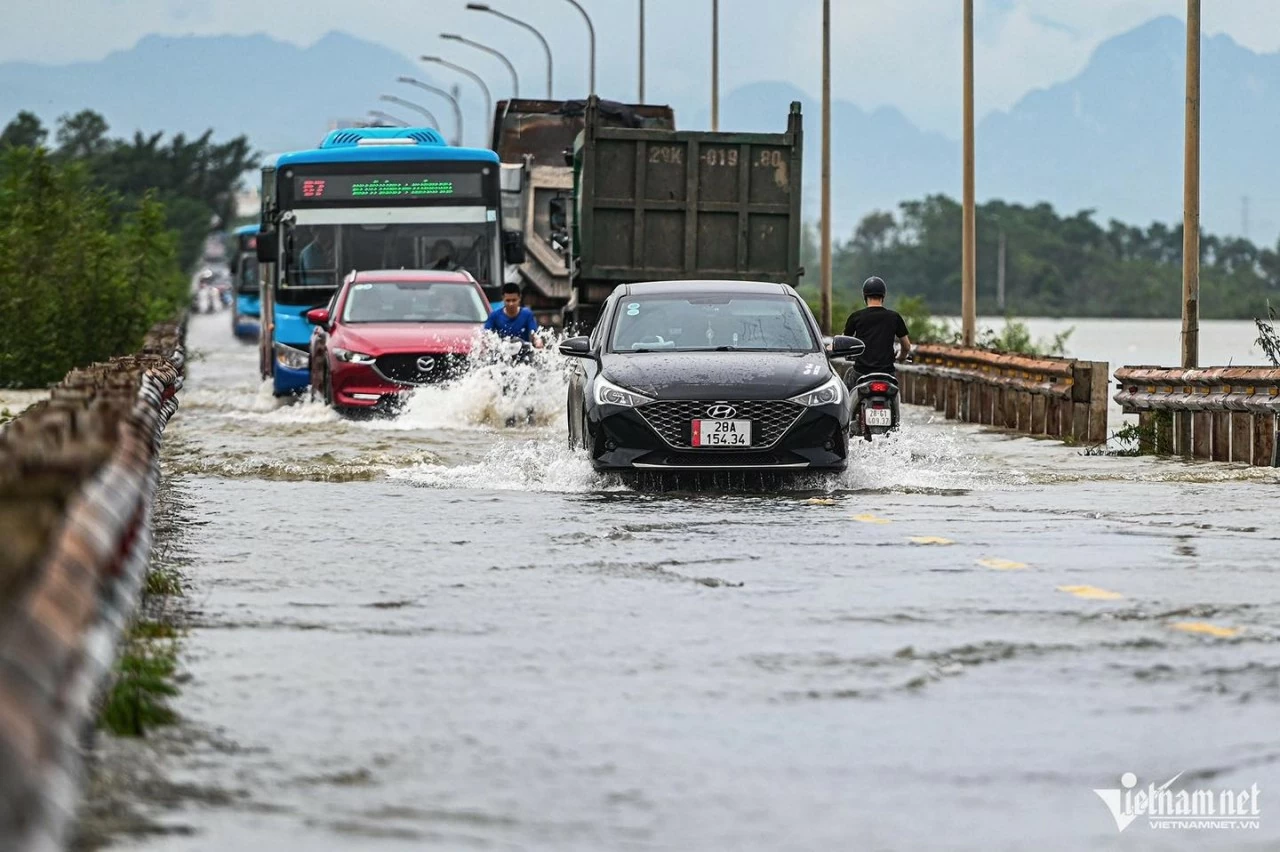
x: 267, y: 246
x: 513, y: 247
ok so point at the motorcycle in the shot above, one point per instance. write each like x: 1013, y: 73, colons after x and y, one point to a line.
x: 875, y: 407
x: 514, y: 364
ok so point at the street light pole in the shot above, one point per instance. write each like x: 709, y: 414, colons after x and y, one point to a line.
x: 457, y: 108
x: 641, y: 98
x: 715, y: 61
x: 969, y: 253
x: 515, y: 78
x: 387, y: 118
x: 426, y: 113
x: 488, y: 98
x: 591, y: 31
x: 484, y: 7
x: 826, y: 167
x: 1191, y: 217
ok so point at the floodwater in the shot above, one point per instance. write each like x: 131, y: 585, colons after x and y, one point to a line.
x: 435, y: 632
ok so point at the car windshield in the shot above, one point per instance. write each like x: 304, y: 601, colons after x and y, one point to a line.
x: 705, y: 322
x: 413, y: 301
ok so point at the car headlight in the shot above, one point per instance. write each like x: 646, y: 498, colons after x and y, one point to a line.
x: 294, y: 359
x: 829, y: 393
x: 607, y: 393
x: 352, y: 357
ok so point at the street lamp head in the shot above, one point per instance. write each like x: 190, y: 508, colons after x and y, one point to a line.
x: 405, y: 80
x: 478, y: 7
x: 430, y: 58
x: 451, y: 36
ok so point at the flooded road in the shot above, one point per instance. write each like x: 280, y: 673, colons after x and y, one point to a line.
x: 437, y: 633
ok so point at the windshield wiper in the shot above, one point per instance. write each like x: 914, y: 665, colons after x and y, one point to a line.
x: 726, y: 348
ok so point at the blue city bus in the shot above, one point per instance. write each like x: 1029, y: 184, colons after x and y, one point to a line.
x: 370, y: 198
x: 247, y: 304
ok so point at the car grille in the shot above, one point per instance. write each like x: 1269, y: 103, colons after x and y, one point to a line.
x: 770, y: 419
x: 729, y: 458
x: 405, y: 368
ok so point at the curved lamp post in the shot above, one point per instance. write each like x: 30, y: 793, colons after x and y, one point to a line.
x: 515, y: 78
x: 485, y: 7
x: 457, y: 109
x: 488, y: 98
x: 387, y: 118
x: 591, y: 30
x: 421, y: 110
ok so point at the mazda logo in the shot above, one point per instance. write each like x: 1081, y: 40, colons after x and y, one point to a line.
x: 426, y: 365
x: 721, y: 412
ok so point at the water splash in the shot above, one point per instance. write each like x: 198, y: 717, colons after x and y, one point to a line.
x: 545, y: 463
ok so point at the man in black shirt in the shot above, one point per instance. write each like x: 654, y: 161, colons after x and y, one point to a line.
x: 877, y: 327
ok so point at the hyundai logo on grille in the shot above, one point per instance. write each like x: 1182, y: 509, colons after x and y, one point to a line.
x: 721, y: 412
x: 426, y: 365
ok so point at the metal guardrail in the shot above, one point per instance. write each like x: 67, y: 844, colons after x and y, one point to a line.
x: 78, y: 473
x: 1232, y: 411
x: 1053, y: 397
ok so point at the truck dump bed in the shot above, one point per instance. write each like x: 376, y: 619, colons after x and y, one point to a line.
x: 657, y: 204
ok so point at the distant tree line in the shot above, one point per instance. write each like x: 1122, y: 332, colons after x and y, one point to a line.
x: 1054, y: 265
x: 96, y: 235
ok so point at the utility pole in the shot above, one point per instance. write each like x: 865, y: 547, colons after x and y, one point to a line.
x: 826, y: 167
x: 969, y: 253
x: 1191, y: 217
x: 641, y: 99
x: 715, y: 65
x: 1244, y: 217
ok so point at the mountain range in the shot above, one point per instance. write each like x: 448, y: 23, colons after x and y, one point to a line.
x: 1108, y: 139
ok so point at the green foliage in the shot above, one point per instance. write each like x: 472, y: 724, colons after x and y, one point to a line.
x: 1268, y: 338
x: 79, y: 282
x: 137, y: 701
x: 1055, y: 265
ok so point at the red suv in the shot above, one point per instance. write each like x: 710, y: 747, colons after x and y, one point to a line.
x: 384, y: 333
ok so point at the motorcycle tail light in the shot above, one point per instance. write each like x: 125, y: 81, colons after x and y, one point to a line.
x: 879, y: 387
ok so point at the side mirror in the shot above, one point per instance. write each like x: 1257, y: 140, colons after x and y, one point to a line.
x: 576, y: 347
x: 267, y: 246
x: 318, y: 316
x: 843, y: 346
x: 513, y: 246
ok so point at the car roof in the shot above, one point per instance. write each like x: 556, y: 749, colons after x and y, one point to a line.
x: 460, y: 276
x: 687, y: 286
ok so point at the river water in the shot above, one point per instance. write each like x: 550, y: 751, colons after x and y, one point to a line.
x: 434, y: 632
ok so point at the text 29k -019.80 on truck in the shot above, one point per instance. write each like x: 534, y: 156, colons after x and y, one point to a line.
x: 609, y: 193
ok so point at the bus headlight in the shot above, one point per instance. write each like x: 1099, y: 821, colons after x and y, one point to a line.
x: 292, y: 359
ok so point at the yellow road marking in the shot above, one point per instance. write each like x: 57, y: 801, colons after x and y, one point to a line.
x: 1002, y: 564
x: 1092, y: 593
x: 871, y: 519
x: 930, y: 539
x: 820, y: 501
x: 1206, y: 629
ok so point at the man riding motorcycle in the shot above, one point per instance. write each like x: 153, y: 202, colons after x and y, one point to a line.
x: 878, y: 328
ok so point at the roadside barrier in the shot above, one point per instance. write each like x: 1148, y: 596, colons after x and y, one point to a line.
x: 78, y: 473
x: 1053, y: 397
x: 1230, y: 412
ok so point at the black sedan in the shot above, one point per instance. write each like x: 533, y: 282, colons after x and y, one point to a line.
x: 708, y: 375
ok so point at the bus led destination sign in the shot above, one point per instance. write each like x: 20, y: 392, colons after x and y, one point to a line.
x: 325, y: 188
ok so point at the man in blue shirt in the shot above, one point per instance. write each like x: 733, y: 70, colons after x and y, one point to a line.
x: 512, y: 320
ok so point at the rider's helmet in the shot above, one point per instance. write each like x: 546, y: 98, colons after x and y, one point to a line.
x: 873, y: 287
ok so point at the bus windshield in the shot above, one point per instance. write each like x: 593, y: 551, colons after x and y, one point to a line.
x: 247, y: 275
x: 320, y: 256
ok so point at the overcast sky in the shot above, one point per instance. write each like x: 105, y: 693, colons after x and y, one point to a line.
x: 904, y: 53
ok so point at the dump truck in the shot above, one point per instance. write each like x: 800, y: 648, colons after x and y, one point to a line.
x: 607, y: 193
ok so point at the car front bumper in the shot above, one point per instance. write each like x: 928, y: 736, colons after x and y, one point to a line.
x: 622, y: 439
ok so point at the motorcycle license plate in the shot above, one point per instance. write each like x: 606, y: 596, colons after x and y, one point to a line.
x: 878, y: 416
x: 721, y: 433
